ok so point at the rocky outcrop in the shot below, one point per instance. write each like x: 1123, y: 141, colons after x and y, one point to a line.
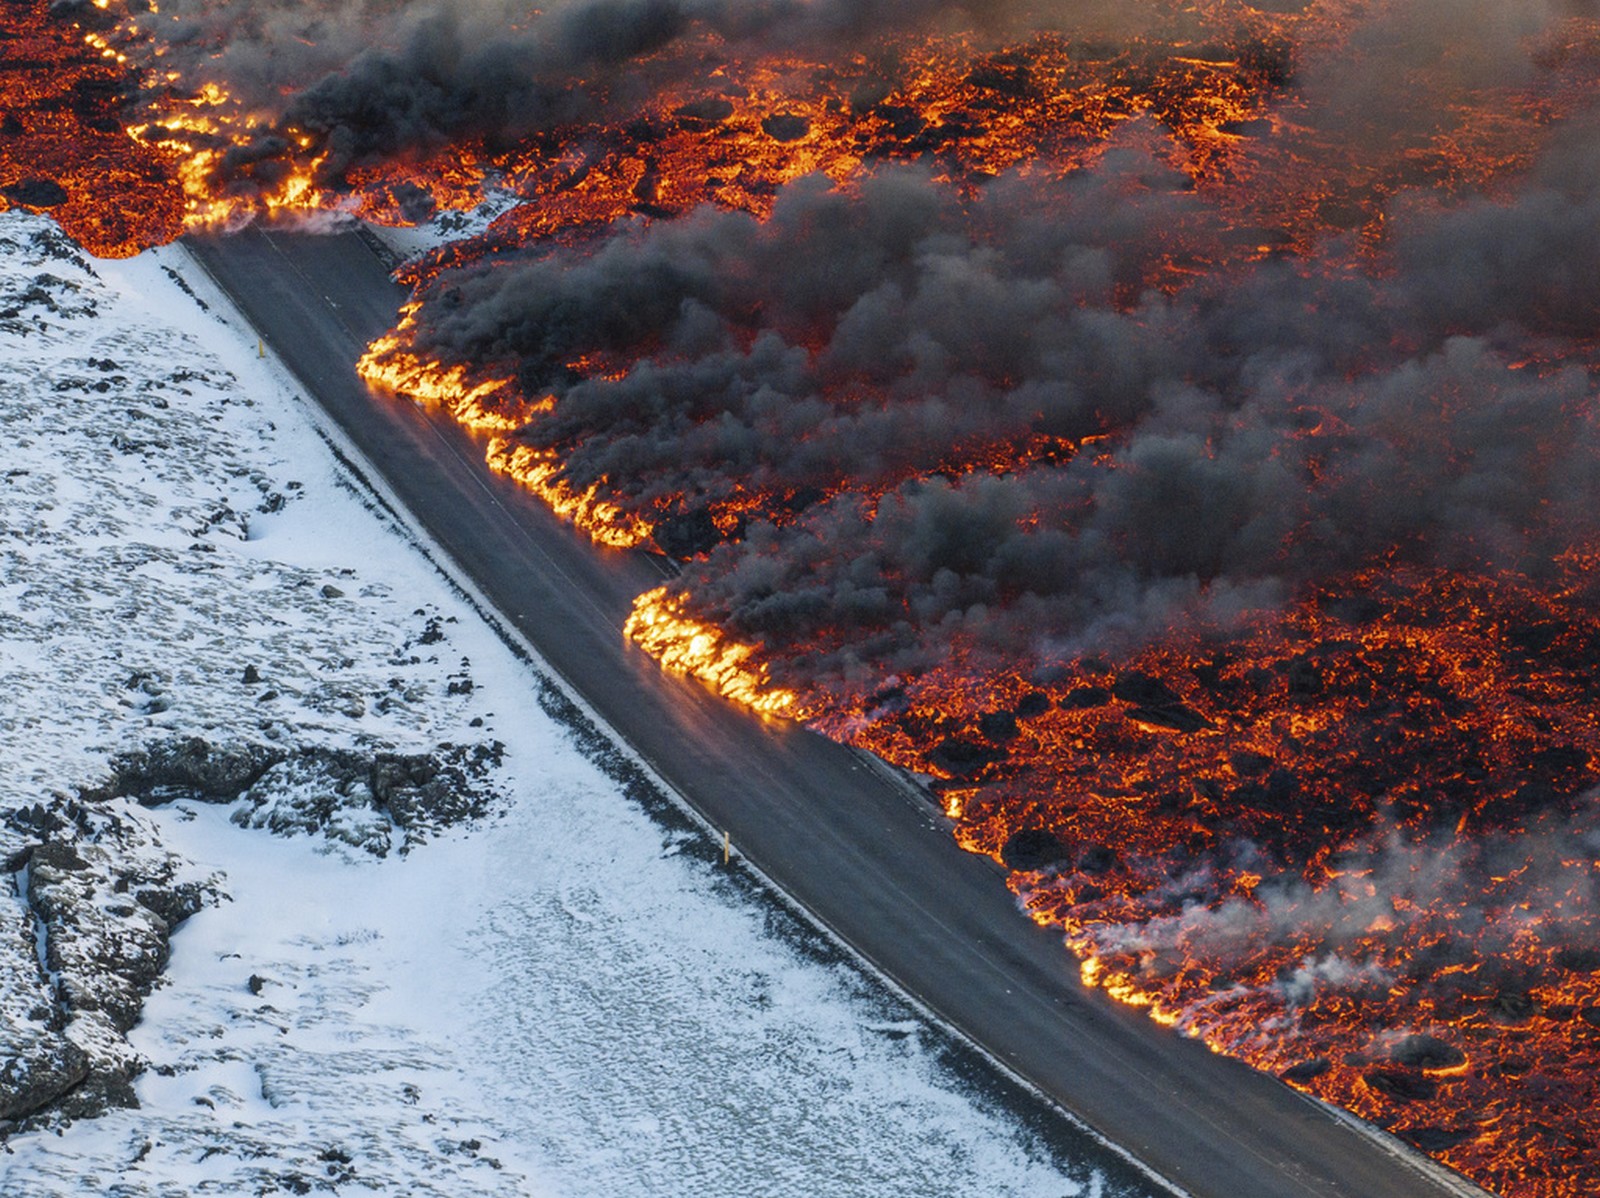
x: 373, y: 799
x: 90, y: 897
x: 92, y: 900
x: 187, y: 767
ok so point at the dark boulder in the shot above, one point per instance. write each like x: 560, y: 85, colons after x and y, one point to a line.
x: 1175, y: 717
x: 1576, y: 959
x: 702, y: 114
x: 1307, y: 1070
x: 174, y: 902
x: 785, y: 126
x: 1399, y: 1085
x: 1082, y: 697
x: 31, y: 1081
x: 190, y: 766
x: 1035, y: 703
x: 964, y: 758
x: 1143, y: 690
x: 36, y: 193
x: 999, y: 727
x: 1034, y: 848
x: 1426, y: 1052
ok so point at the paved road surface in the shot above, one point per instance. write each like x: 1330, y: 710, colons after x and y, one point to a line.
x: 865, y: 856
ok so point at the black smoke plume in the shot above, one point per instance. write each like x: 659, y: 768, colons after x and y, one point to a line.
x: 903, y: 374
x: 371, y: 83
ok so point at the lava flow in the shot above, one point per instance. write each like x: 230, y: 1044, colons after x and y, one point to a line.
x: 1170, y: 428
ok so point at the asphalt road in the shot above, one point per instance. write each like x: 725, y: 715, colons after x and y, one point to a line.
x: 864, y: 855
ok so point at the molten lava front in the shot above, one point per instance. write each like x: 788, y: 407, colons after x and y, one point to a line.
x: 1169, y: 430
x: 1354, y: 845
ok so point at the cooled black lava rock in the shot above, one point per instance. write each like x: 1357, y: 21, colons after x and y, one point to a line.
x: 999, y: 726
x: 1435, y: 1139
x: 965, y: 758
x: 902, y: 122
x: 1006, y: 80
x: 1034, y: 848
x: 1082, y: 697
x: 1307, y: 1070
x: 36, y: 193
x: 416, y: 204
x: 785, y: 126
x: 1143, y: 690
x: 1304, y: 675
x: 1177, y: 717
x: 1513, y: 1006
x: 1354, y: 609
x: 891, y: 700
x: 1259, y: 127
x: 1533, y: 637
x: 1576, y: 959
x: 1399, y: 1085
x: 1098, y: 859
x: 702, y: 114
x: 1035, y: 703
x: 1514, y: 1065
x: 1426, y: 1052
x: 1248, y: 764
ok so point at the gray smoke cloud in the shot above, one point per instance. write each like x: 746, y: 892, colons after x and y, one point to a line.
x: 1398, y: 918
x: 862, y: 356
x: 372, y: 81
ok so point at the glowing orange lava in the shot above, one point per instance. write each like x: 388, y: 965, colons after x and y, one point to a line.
x: 1348, y: 837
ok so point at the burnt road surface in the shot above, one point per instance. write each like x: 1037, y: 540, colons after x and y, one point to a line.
x: 862, y: 853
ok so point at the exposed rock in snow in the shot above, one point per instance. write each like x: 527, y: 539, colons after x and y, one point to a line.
x: 95, y: 897
x: 464, y: 967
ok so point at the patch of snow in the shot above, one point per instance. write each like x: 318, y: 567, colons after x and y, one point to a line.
x: 447, y: 226
x: 564, y: 997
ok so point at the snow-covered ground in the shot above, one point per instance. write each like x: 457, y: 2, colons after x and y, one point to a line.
x: 564, y: 994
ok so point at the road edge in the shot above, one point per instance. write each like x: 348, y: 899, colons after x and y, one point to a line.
x: 365, y: 478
